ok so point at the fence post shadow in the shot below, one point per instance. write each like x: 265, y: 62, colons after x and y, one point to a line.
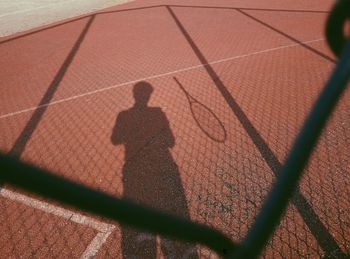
x: 310, y: 217
x: 22, y: 140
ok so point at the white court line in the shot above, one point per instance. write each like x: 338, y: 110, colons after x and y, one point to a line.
x: 104, y: 229
x: 153, y: 77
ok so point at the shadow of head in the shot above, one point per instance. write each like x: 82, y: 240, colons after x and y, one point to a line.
x: 142, y: 92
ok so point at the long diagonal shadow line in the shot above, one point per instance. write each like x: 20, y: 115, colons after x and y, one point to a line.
x: 283, y: 10
x: 151, y: 7
x: 319, y: 53
x: 22, y: 35
x: 320, y: 232
x: 246, y: 8
x: 21, y: 142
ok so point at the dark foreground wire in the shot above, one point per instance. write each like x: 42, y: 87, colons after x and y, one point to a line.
x: 54, y: 187
x: 81, y: 197
x: 292, y: 170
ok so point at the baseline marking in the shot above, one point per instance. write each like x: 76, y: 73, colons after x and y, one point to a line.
x: 154, y: 76
x: 104, y: 229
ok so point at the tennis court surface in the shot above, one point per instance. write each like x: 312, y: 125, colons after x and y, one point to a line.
x: 97, y: 99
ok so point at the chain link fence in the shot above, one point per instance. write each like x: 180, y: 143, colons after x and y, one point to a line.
x: 140, y: 140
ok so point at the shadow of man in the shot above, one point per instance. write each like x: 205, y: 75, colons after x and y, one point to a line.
x: 150, y: 174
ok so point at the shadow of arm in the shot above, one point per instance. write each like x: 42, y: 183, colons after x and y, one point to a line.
x: 118, y: 132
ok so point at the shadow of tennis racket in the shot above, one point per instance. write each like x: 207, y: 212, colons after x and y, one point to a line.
x: 205, y: 118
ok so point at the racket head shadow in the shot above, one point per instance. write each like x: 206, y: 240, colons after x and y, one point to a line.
x: 205, y: 118
x: 208, y: 122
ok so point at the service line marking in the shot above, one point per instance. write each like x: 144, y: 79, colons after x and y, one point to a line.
x: 154, y: 77
x: 104, y: 229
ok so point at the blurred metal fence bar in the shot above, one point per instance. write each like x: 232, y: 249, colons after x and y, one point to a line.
x: 30, y: 178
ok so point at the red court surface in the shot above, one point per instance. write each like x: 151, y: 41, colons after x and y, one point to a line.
x: 257, y: 65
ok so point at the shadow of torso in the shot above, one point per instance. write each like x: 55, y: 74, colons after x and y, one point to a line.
x: 150, y: 177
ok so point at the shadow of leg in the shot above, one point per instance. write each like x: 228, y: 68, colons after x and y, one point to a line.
x: 138, y: 245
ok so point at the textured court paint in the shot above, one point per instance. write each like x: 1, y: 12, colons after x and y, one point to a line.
x: 151, y: 77
x: 224, y: 184
x: 104, y: 229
